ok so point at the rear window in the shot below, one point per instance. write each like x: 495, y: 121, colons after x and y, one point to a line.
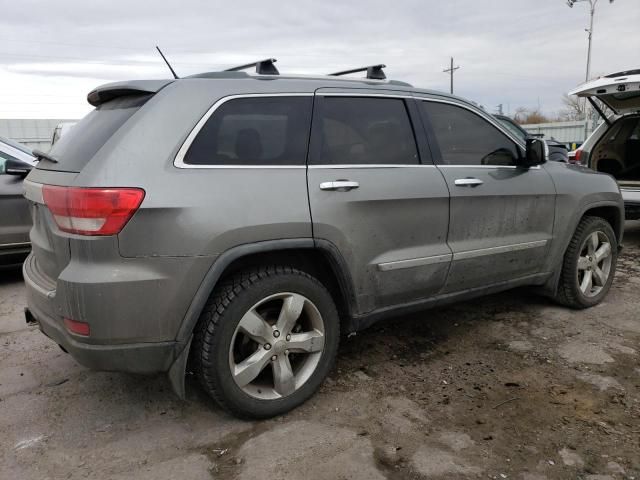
x: 254, y: 131
x: 74, y: 150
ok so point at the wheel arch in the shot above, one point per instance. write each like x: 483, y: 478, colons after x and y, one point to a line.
x: 610, y: 211
x: 318, y: 258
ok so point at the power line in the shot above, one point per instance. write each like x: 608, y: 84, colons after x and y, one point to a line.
x: 450, y: 71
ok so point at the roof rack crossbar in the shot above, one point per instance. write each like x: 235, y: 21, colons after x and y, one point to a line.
x: 263, y: 67
x: 374, y: 72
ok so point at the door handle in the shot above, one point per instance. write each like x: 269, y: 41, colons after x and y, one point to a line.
x: 468, y: 182
x: 339, y: 185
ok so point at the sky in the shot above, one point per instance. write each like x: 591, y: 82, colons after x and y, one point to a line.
x: 518, y: 53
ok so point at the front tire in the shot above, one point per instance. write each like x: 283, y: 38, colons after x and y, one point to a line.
x: 589, y: 264
x: 266, y: 340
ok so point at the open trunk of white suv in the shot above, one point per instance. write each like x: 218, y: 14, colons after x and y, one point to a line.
x: 614, y: 147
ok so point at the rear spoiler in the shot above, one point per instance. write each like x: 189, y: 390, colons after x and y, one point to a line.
x: 107, y: 92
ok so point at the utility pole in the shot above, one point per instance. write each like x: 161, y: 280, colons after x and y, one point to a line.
x: 592, y: 11
x: 450, y: 71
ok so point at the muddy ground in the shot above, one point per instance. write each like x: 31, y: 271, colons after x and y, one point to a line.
x: 510, y: 386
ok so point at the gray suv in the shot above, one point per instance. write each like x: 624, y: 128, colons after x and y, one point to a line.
x: 234, y: 225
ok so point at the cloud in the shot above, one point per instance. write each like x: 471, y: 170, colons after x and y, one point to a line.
x: 517, y: 53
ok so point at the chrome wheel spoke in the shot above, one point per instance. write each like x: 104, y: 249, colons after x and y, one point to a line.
x: 583, y: 263
x: 247, y: 370
x: 599, y: 278
x: 309, y: 342
x: 603, y: 252
x: 290, y: 334
x: 254, y: 326
x: 291, y: 309
x: 592, y: 243
x: 587, y: 282
x: 284, y: 382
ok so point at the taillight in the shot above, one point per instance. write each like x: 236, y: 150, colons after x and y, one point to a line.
x: 576, y: 158
x: 92, y: 211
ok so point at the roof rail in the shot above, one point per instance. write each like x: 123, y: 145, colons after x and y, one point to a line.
x: 374, y: 72
x: 263, y: 67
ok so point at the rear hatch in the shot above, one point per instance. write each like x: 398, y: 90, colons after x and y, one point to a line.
x: 115, y: 105
x: 619, y: 91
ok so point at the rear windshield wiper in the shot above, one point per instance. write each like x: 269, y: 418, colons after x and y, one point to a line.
x: 40, y: 155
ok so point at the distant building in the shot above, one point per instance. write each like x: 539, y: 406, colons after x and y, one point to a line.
x: 571, y: 132
x: 34, y: 133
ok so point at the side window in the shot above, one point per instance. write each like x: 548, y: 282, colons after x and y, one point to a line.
x: 364, y: 130
x: 465, y: 138
x: 254, y: 131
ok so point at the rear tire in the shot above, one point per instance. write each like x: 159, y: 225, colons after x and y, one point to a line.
x: 589, y: 264
x: 266, y: 340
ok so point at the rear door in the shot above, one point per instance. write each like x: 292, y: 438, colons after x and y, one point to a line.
x: 501, y: 215
x: 376, y: 196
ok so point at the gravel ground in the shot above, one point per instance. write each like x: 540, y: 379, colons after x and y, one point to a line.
x: 510, y: 386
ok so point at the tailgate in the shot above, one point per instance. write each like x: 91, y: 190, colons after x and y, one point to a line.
x: 50, y: 247
x: 619, y: 91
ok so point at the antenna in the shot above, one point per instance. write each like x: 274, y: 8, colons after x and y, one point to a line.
x: 167, y: 62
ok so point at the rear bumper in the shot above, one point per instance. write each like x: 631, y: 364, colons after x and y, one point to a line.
x: 49, y: 306
x: 134, y: 358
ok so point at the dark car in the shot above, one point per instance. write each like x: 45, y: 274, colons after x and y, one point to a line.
x: 16, y: 161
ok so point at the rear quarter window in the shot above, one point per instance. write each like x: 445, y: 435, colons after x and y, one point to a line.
x: 74, y: 150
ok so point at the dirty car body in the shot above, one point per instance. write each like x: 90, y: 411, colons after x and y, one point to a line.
x: 411, y: 223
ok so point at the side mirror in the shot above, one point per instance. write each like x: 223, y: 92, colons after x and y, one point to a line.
x: 15, y: 167
x: 536, y: 153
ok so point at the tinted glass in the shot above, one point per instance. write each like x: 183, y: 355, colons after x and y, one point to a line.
x: 465, y: 138
x: 74, y: 150
x: 254, y: 131
x: 363, y: 130
x: 513, y: 127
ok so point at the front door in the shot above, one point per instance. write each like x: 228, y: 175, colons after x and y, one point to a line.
x: 377, y: 197
x: 501, y: 216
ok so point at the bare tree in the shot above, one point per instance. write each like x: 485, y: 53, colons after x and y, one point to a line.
x: 573, y: 108
x: 525, y: 116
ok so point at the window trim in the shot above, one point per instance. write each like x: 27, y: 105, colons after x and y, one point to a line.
x: 179, y: 162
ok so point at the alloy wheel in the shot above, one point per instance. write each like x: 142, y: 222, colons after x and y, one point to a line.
x: 594, y: 263
x: 277, y: 346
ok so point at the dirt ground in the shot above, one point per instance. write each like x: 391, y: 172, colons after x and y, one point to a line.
x: 510, y: 386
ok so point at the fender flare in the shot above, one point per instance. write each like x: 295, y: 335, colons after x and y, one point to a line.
x: 184, y: 336
x: 552, y: 284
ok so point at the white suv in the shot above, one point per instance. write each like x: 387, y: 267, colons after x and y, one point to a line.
x: 614, y: 147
